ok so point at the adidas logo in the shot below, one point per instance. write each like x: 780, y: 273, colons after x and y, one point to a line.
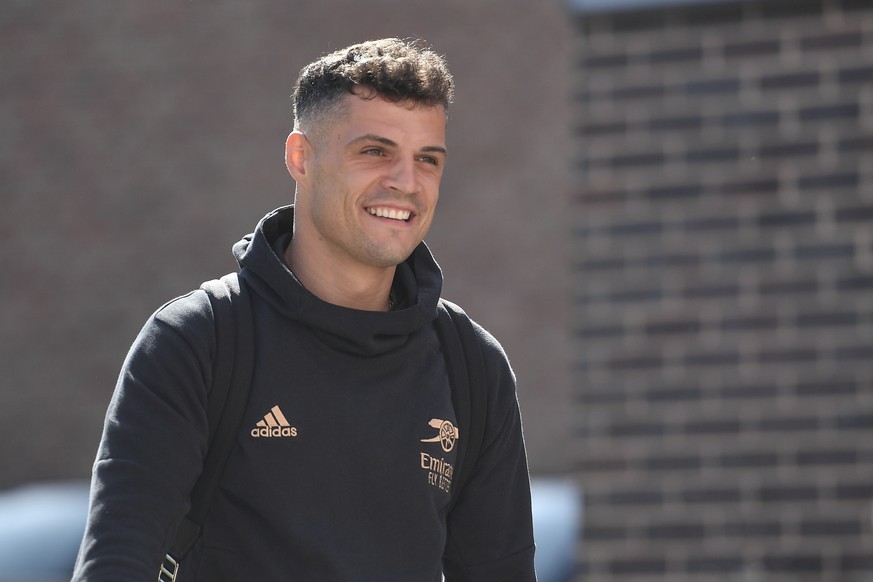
x: 274, y: 425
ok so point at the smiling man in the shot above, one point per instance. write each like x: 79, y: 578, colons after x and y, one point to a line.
x: 368, y: 174
x: 343, y: 468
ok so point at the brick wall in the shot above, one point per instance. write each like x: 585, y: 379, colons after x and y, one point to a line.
x: 722, y: 269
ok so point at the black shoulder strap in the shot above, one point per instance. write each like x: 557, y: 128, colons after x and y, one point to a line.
x: 466, y: 367
x: 228, y: 396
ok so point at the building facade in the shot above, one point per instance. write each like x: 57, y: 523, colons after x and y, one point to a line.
x: 722, y: 281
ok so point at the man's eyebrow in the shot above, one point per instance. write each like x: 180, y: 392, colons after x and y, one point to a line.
x: 391, y: 143
x: 374, y: 137
x: 435, y: 150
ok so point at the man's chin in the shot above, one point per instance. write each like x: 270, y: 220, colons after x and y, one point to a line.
x: 387, y: 258
x: 388, y: 253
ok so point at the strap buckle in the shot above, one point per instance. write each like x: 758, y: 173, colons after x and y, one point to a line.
x: 169, y: 569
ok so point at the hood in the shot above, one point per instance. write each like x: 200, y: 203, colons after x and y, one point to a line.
x: 417, y: 288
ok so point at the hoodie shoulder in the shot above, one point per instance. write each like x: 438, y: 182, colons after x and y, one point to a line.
x: 493, y: 354
x: 186, y: 321
x: 191, y: 309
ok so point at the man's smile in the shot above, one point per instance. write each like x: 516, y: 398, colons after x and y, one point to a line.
x: 392, y: 213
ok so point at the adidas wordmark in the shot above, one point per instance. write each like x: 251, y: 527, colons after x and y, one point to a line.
x: 274, y: 425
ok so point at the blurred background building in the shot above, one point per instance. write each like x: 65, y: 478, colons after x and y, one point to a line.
x: 722, y: 268
x: 662, y: 208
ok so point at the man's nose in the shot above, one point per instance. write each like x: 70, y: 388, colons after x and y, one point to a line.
x: 402, y: 177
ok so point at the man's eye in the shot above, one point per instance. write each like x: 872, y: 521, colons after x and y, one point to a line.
x: 373, y: 152
x: 430, y: 160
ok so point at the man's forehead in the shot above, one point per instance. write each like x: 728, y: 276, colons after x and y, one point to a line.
x: 394, y: 120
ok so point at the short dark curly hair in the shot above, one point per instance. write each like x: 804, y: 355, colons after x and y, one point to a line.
x: 394, y: 69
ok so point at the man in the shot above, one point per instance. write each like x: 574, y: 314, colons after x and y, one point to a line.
x: 343, y: 467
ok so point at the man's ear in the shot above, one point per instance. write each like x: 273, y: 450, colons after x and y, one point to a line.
x: 296, y: 153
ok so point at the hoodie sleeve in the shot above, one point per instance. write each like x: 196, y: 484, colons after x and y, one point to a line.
x: 490, y: 530
x: 152, y: 448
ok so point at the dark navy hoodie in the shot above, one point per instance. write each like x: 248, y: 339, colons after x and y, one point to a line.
x: 345, y: 459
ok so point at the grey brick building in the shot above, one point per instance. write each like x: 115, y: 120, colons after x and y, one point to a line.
x: 722, y: 269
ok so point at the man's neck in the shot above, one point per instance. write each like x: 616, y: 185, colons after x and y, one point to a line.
x: 353, y: 286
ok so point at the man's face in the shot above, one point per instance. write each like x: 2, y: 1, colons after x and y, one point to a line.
x: 372, y: 181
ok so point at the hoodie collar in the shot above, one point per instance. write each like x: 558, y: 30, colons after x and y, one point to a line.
x: 417, y: 285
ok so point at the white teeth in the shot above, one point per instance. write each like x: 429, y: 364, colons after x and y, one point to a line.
x: 390, y: 213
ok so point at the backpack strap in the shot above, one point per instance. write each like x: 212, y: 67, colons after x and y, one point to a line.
x: 231, y: 381
x: 466, y: 367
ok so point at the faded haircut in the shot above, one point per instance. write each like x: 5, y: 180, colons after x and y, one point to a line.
x: 393, y: 69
